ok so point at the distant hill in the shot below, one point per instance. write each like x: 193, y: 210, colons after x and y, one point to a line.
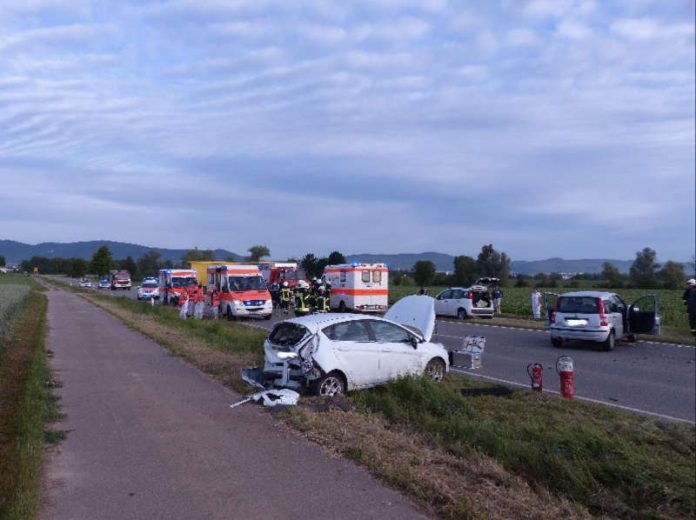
x: 15, y: 252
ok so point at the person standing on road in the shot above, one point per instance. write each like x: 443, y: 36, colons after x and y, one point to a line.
x: 215, y: 303
x: 199, y: 305
x: 285, y: 297
x: 183, y: 304
x: 536, y: 304
x: 497, y: 299
x: 690, y: 301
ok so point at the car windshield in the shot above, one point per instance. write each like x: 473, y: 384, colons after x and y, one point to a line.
x: 287, y: 334
x: 149, y: 285
x: 578, y: 304
x: 184, y: 282
x: 246, y: 283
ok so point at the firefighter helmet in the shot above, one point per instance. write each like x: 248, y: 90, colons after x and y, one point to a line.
x: 285, y: 284
x: 691, y: 282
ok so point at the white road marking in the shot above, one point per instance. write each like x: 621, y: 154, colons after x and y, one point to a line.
x: 580, y: 398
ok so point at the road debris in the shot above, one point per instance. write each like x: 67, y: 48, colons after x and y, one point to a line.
x: 271, y: 398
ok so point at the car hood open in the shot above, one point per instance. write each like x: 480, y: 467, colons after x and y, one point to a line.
x: 415, y: 312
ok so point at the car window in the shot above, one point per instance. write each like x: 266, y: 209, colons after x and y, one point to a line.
x: 578, y: 304
x: 445, y: 295
x: 609, y: 305
x: 457, y: 294
x: 343, y: 276
x: 366, y: 276
x: 287, y: 334
x: 377, y: 276
x: 388, y: 332
x: 354, y: 330
x: 618, y: 301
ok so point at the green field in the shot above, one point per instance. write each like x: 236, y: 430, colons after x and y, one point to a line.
x: 517, y: 300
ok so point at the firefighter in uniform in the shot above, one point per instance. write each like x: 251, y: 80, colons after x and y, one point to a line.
x: 322, y: 300
x: 199, y: 302
x: 301, y: 298
x: 285, y: 297
x: 215, y: 303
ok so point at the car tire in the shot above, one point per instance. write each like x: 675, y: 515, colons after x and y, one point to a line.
x: 435, y: 370
x: 342, y: 306
x: 557, y: 342
x: 610, y: 342
x: 330, y: 385
x: 461, y: 314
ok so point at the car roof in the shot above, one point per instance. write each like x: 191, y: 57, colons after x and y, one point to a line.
x: 316, y: 322
x: 591, y: 294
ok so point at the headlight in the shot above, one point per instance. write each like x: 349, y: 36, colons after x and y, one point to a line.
x: 237, y: 303
x: 286, y: 355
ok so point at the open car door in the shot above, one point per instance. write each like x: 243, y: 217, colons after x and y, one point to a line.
x: 549, y: 304
x: 644, y: 315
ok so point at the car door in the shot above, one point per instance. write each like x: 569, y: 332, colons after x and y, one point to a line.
x: 356, y: 354
x: 615, y: 318
x: 397, y: 354
x: 549, y: 306
x: 644, y: 315
x: 441, y: 303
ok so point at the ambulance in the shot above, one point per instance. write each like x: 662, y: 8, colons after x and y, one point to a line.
x: 358, y: 287
x: 243, y: 293
x: 173, y: 282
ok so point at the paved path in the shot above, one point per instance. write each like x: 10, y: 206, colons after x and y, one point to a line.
x: 152, y: 437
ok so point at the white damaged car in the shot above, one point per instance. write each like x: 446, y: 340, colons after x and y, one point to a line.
x: 330, y: 354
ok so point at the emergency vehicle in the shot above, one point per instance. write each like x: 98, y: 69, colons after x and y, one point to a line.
x: 174, y: 282
x: 243, y: 292
x: 279, y: 272
x: 358, y: 287
x: 120, y: 279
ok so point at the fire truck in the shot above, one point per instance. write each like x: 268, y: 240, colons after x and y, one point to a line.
x: 119, y: 279
x: 280, y: 272
x: 358, y: 287
x: 243, y: 292
x: 174, y: 282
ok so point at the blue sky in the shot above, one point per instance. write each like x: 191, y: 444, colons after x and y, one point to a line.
x: 548, y: 128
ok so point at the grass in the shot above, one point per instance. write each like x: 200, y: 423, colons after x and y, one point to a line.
x: 26, y: 406
x: 526, y: 455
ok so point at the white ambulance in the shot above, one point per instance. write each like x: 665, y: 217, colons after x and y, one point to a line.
x: 243, y: 293
x: 358, y: 287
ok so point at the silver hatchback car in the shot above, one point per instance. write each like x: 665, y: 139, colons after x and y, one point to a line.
x: 598, y: 316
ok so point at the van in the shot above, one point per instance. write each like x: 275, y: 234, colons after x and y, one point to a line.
x: 243, y: 292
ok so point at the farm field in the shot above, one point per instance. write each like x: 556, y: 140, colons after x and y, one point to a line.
x: 517, y: 300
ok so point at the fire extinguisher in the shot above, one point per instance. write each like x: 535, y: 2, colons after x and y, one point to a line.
x: 534, y: 370
x: 564, y: 367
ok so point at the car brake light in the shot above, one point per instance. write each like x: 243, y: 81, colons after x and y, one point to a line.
x: 552, y: 317
x: 469, y: 295
x: 603, y: 321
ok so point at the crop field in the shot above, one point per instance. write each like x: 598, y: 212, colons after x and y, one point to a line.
x: 517, y: 300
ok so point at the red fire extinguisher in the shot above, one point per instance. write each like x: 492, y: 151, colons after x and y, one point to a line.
x: 564, y: 367
x: 535, y: 370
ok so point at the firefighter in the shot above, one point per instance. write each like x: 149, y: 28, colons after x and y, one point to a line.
x: 274, y: 289
x: 690, y: 301
x: 215, y: 303
x: 322, y: 300
x: 285, y: 297
x: 199, y: 302
x: 301, y: 298
x: 183, y: 304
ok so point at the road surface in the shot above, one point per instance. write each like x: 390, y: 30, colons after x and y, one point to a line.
x: 152, y: 437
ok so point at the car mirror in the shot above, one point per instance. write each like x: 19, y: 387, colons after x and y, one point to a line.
x: 414, y: 341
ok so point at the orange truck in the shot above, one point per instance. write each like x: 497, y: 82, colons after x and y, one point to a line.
x: 243, y: 292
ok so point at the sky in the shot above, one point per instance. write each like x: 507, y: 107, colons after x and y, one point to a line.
x: 548, y: 128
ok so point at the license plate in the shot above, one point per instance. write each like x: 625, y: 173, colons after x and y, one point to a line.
x: 575, y: 322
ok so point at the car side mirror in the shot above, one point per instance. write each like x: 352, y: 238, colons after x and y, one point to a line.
x: 414, y: 341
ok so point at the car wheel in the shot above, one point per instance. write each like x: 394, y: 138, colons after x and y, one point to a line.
x: 461, y: 314
x: 435, y: 370
x: 557, y: 342
x: 330, y: 385
x: 609, y: 342
x: 342, y: 306
x: 230, y: 316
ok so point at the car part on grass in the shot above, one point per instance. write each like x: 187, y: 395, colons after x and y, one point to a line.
x: 478, y: 392
x: 564, y: 367
x: 535, y: 371
x: 272, y: 398
x: 470, y: 355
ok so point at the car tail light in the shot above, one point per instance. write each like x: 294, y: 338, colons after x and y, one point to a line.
x: 552, y: 317
x: 603, y: 320
x: 469, y: 295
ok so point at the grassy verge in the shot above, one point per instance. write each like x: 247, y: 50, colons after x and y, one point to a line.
x: 26, y: 406
x: 525, y: 455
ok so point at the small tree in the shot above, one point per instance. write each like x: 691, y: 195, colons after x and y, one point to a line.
x: 423, y: 272
x: 102, y: 261
x: 309, y: 264
x: 672, y: 275
x: 149, y: 264
x: 336, y: 258
x: 256, y: 253
x: 196, y: 255
x: 77, y: 267
x: 2, y: 261
x: 464, y: 270
x: 612, y: 275
x: 128, y: 265
x: 643, y: 271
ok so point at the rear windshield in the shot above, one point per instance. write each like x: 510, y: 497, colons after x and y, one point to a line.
x: 150, y: 285
x: 578, y: 304
x: 287, y: 334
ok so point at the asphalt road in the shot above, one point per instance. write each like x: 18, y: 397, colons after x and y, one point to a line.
x: 646, y: 377
x: 152, y: 437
